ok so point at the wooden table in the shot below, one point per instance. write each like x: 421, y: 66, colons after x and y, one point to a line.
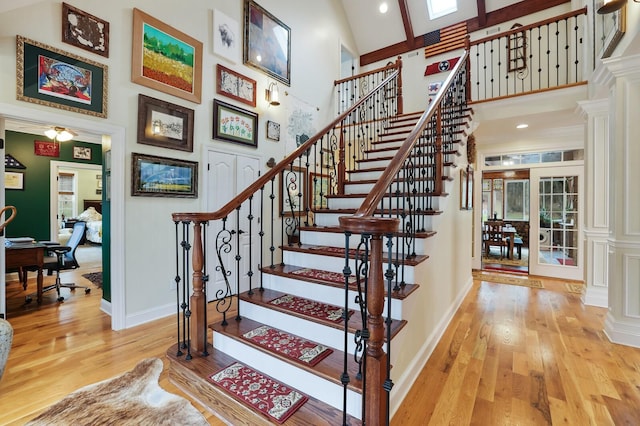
x: 20, y: 255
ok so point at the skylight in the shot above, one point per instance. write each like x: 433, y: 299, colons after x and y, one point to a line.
x: 438, y: 8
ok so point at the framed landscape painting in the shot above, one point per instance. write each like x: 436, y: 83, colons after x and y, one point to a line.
x: 51, y: 77
x: 153, y: 176
x: 165, y: 59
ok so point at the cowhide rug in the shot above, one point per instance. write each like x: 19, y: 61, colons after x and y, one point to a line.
x: 134, y: 398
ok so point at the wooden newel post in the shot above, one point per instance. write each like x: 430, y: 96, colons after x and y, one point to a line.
x: 376, y: 372
x: 196, y: 301
x: 376, y: 363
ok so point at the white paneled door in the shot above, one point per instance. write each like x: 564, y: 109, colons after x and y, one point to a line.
x: 229, y: 254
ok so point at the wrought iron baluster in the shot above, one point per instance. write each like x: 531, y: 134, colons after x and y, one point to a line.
x: 223, y: 246
x: 344, y: 378
x: 389, y: 275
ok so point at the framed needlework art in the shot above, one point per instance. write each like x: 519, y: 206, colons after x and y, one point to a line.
x: 234, y: 124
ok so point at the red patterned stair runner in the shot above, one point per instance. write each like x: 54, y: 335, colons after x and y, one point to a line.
x: 310, y: 308
x: 268, y: 396
x: 333, y: 277
x: 290, y: 346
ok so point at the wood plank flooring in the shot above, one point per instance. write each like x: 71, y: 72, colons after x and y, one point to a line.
x: 512, y: 355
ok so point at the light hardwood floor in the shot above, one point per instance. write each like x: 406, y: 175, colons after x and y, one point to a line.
x: 512, y: 355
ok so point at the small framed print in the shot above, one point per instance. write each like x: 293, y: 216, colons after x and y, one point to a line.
x: 235, y: 85
x: 84, y: 30
x: 13, y: 180
x: 81, y: 153
x: 153, y: 176
x: 46, y: 148
x: 273, y: 130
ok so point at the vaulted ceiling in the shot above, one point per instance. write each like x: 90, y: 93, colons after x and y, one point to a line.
x: 400, y: 30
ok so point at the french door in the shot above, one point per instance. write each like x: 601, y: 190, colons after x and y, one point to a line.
x: 556, y: 220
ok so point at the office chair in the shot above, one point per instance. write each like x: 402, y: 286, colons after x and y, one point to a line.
x: 64, y: 257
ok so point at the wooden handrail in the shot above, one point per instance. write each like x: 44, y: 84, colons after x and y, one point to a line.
x: 571, y: 14
x: 366, y: 73
x: 271, y: 174
x: 380, y: 188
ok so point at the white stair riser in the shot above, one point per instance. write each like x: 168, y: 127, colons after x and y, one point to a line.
x: 355, y: 203
x: 322, y: 293
x: 373, y: 164
x: 331, y: 219
x: 355, y: 187
x: 327, y: 336
x: 380, y: 154
x: 298, y: 378
x: 334, y: 239
x: 330, y: 263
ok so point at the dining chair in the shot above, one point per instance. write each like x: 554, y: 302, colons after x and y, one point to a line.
x: 494, y: 237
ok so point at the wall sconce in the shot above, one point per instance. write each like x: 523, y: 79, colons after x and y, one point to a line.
x: 272, y: 95
x: 609, y: 6
x: 59, y: 134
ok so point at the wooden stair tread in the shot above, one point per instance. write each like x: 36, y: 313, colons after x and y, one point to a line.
x: 314, y: 249
x: 338, y: 230
x: 330, y: 368
x: 191, y: 377
x: 287, y: 271
x: 264, y: 296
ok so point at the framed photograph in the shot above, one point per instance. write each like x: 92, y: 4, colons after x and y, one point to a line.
x: 273, y: 130
x: 235, y: 85
x: 153, y: 176
x: 609, y: 30
x: 81, y: 153
x: 51, y: 77
x: 469, y: 187
x: 293, y: 201
x: 234, y: 124
x: 318, y: 191
x: 13, y: 180
x: 164, y: 124
x: 156, y: 64
x: 46, y: 148
x: 83, y: 30
x: 226, y: 37
x: 267, y: 43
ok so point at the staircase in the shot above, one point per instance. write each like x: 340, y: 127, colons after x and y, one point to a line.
x: 320, y: 254
x: 341, y: 278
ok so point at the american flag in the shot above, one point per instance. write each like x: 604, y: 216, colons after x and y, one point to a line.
x: 445, y: 40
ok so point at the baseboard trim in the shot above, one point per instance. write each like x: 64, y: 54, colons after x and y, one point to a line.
x: 594, y: 296
x: 105, y: 306
x: 149, y: 315
x: 622, y: 333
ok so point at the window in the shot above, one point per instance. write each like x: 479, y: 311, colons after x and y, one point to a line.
x: 559, y: 220
x: 516, y: 200
x: 438, y: 8
x: 66, y: 195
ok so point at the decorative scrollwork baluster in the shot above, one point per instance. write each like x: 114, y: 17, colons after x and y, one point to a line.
x: 223, y: 246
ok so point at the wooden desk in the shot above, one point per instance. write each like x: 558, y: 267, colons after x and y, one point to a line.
x: 19, y: 255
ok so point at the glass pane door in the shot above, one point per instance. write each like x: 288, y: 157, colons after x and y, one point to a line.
x: 556, y: 208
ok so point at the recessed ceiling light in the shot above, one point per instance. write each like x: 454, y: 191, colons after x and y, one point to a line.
x: 383, y: 7
x: 522, y: 126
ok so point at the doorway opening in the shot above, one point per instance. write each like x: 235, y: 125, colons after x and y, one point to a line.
x: 505, y: 221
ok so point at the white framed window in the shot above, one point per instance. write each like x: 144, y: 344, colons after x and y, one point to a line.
x: 438, y: 8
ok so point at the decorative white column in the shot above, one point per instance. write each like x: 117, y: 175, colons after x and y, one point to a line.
x: 622, y: 77
x: 596, y: 225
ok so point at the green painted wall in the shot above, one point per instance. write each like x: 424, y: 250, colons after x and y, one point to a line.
x: 33, y: 201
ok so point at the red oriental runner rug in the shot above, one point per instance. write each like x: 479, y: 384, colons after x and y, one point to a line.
x: 332, y: 277
x: 290, y: 346
x: 310, y: 308
x: 266, y: 395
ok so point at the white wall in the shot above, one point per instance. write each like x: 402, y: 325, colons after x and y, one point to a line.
x: 316, y: 32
